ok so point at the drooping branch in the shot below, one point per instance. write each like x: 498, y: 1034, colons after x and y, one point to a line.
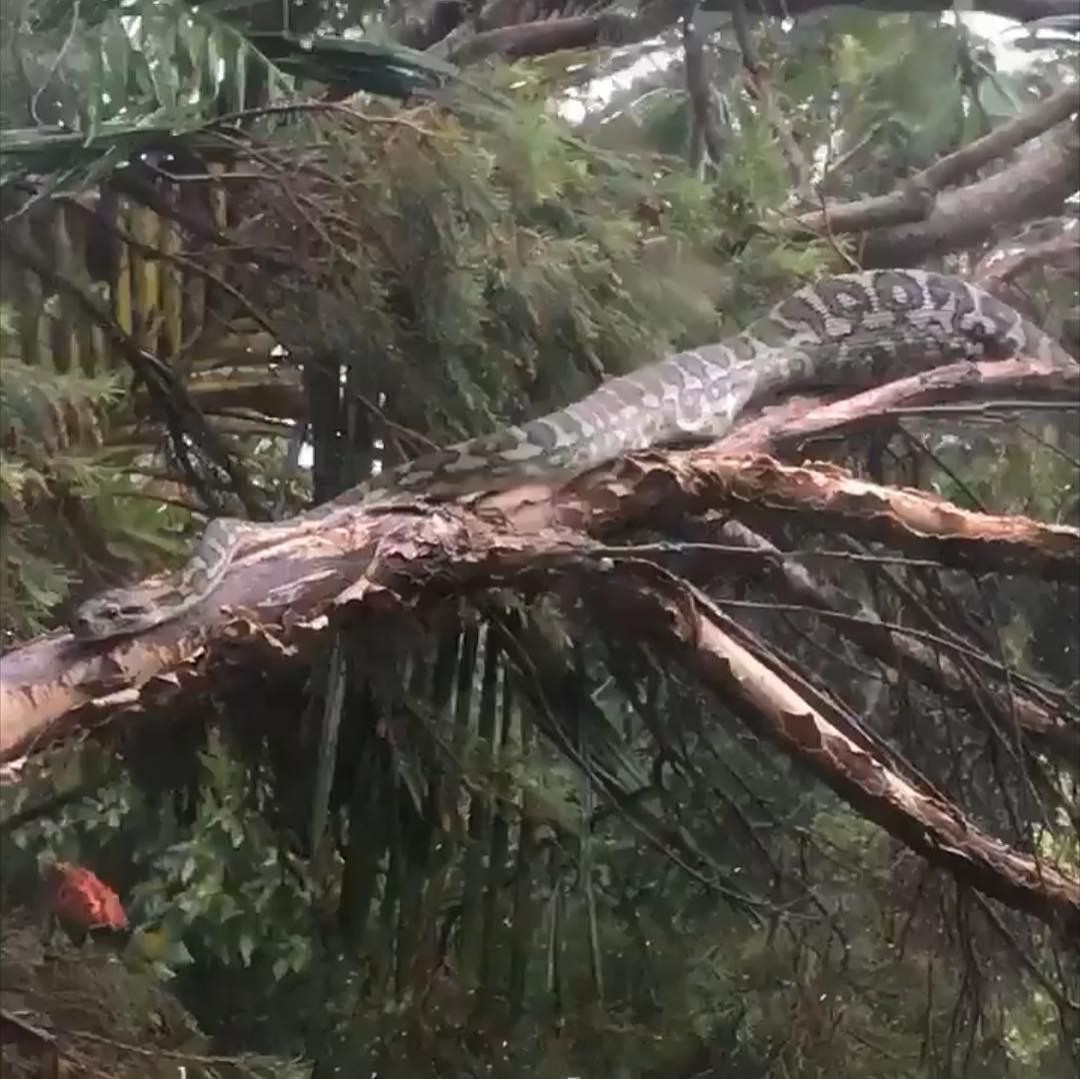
x: 684, y: 622
x: 903, y: 652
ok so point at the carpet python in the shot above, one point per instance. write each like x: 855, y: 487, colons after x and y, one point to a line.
x: 853, y: 330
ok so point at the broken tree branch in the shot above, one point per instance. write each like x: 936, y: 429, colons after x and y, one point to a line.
x: 409, y: 557
x: 299, y: 574
x: 789, y: 427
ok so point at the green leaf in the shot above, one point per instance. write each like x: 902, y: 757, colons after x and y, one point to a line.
x: 998, y: 97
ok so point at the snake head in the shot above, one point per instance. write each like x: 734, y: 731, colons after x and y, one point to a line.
x: 112, y: 614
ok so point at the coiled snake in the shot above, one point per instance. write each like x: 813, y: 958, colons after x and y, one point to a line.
x: 853, y: 330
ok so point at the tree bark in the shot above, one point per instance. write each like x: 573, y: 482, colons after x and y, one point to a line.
x: 1036, y: 185
x: 410, y: 557
x: 914, y: 200
x: 55, y: 684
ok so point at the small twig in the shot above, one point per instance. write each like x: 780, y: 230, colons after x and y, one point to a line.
x: 408, y: 432
x: 1059, y: 997
x: 231, y: 118
x: 147, y: 1052
x: 679, y: 547
x: 56, y: 63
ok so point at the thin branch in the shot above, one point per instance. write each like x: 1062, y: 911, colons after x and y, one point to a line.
x: 181, y: 413
x: 57, y: 61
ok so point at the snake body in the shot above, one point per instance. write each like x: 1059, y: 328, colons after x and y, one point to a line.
x: 852, y: 330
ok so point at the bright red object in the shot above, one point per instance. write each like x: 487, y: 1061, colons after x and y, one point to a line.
x: 82, y: 899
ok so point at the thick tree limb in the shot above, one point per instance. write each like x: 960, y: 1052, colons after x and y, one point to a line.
x: 402, y: 559
x: 574, y: 32
x: 651, y: 488
x: 1035, y: 185
x: 915, y: 199
x: 299, y: 572
x: 687, y: 624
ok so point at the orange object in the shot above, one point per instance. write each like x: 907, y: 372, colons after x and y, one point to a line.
x: 82, y: 899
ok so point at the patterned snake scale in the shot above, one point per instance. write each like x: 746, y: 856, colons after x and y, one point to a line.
x: 854, y: 330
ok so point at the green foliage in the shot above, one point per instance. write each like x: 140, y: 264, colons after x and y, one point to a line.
x: 501, y: 266
x: 228, y: 890
x: 452, y: 271
x: 48, y: 451
x: 166, y: 64
x: 72, y: 506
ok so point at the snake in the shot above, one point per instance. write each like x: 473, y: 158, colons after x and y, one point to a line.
x: 848, y: 331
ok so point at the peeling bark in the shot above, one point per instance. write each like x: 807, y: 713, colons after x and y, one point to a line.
x: 789, y: 427
x: 285, y: 588
x: 707, y: 643
x: 653, y: 488
x: 298, y: 577
x: 400, y: 560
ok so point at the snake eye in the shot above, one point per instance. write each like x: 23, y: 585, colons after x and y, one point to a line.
x: 111, y: 610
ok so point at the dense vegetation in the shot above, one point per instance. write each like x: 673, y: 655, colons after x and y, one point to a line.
x: 504, y: 834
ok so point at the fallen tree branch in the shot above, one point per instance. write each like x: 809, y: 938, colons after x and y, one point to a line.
x: 297, y: 573
x: 687, y: 624
x: 653, y: 488
x: 403, y: 559
x: 447, y: 34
